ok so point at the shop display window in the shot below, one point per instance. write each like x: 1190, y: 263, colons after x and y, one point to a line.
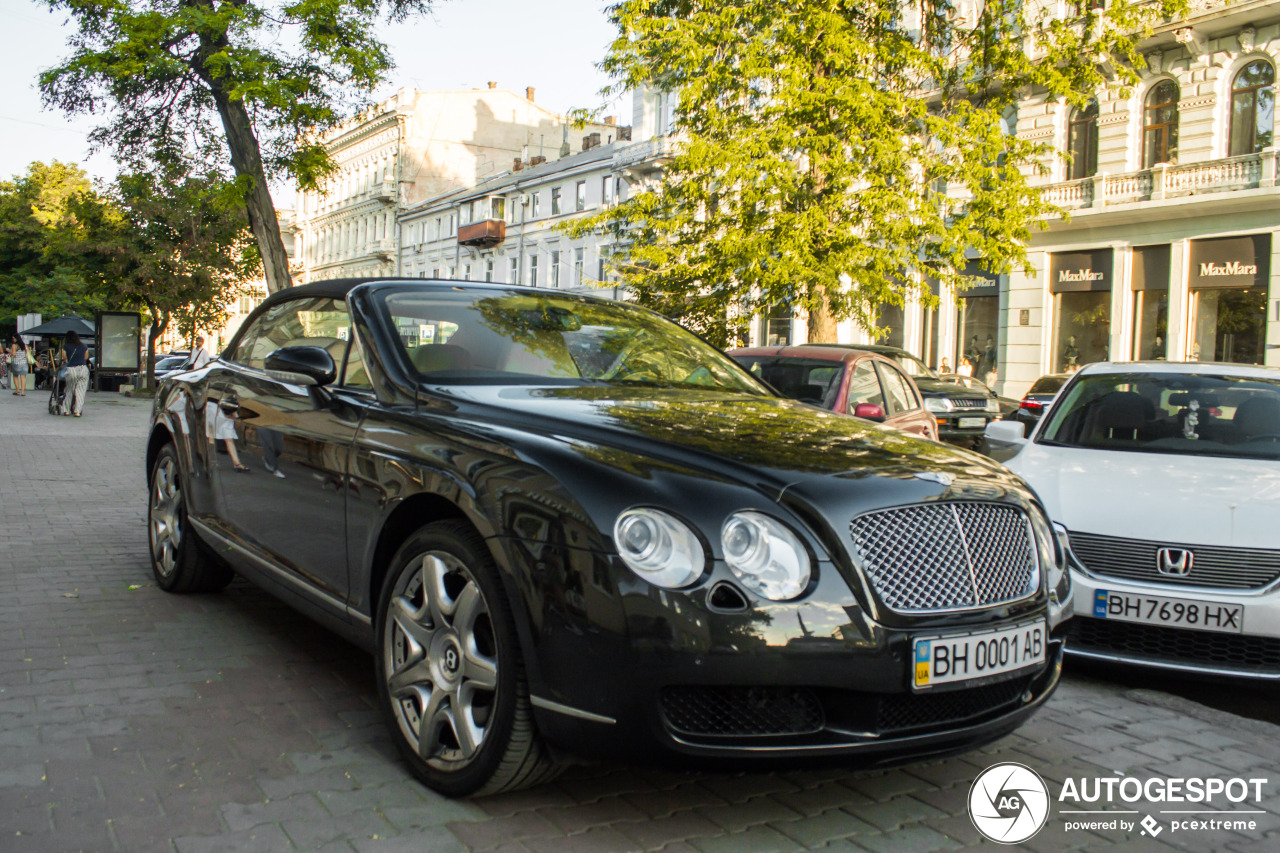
x: 1083, y: 332
x: 1229, y: 324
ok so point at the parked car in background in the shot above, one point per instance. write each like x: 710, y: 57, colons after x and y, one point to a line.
x: 1164, y: 480
x: 1037, y: 400
x: 850, y: 381
x: 1007, y: 405
x: 960, y: 413
x: 564, y: 524
x: 170, y: 364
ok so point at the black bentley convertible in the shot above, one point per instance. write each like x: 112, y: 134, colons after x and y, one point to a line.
x: 564, y: 525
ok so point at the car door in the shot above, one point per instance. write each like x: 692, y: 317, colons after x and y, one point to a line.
x: 905, y: 409
x: 292, y: 441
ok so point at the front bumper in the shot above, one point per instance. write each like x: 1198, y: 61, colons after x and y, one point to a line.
x: 854, y: 706
x: 949, y: 428
x: 1254, y: 652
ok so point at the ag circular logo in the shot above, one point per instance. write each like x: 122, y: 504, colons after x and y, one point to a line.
x: 1009, y: 803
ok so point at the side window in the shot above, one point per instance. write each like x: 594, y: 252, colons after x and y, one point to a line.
x: 314, y: 321
x: 901, y: 397
x: 864, y: 386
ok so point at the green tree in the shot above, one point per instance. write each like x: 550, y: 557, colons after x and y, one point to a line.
x: 39, y: 270
x: 177, y: 246
x: 270, y: 75
x: 832, y: 154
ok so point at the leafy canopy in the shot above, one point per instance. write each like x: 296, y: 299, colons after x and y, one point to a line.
x: 832, y: 154
x: 246, y: 86
x: 39, y: 266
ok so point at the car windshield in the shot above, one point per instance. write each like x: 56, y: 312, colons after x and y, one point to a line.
x: 1178, y: 413
x: 498, y: 336
x: 808, y: 379
x: 912, y: 366
x: 170, y: 363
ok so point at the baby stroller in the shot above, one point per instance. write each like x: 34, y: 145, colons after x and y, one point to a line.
x: 57, y: 389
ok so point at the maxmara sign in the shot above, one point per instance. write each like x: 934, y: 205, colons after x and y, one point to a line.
x: 1232, y: 268
x: 1080, y: 275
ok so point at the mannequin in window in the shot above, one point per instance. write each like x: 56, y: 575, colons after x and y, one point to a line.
x: 1071, y: 355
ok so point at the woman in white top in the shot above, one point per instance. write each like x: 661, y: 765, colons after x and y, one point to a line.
x: 19, y: 365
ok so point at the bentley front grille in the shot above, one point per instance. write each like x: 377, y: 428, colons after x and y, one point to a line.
x: 946, y: 556
x: 1209, y: 566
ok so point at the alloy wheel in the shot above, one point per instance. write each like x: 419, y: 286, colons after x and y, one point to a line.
x: 441, y: 660
x: 165, y: 516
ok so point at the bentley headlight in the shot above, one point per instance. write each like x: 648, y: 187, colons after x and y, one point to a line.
x: 1054, y: 548
x: 937, y: 404
x: 659, y: 547
x: 765, y: 555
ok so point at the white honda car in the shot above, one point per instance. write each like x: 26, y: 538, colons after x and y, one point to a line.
x: 1164, y: 482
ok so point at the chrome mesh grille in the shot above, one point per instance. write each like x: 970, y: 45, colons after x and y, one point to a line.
x: 1212, y: 566
x: 946, y: 556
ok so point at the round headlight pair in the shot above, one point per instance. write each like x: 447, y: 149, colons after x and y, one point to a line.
x: 763, y: 554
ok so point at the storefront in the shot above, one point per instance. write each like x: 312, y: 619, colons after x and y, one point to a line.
x: 978, y: 324
x: 1228, y: 306
x: 1081, y: 286
x: 1150, y: 286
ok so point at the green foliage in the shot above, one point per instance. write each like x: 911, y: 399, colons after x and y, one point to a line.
x: 39, y: 267
x: 176, y: 245
x: 833, y: 154
x: 170, y: 77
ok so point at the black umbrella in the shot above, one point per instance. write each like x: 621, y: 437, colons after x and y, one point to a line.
x: 58, y: 328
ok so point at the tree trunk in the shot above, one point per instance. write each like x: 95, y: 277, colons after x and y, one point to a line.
x: 822, y: 325
x: 247, y: 160
x: 157, y: 329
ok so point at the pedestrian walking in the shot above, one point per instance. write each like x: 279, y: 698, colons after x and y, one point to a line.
x: 75, y: 355
x: 200, y: 355
x: 19, y: 364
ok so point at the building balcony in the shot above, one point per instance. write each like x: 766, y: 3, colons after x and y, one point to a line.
x: 1167, y: 181
x: 487, y: 232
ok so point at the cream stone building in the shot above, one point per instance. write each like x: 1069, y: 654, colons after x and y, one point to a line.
x: 1171, y: 248
x: 415, y: 146
x: 505, y: 228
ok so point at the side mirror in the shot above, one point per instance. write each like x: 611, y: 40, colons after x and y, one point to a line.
x: 1009, y: 432
x: 302, y: 365
x: 869, y: 412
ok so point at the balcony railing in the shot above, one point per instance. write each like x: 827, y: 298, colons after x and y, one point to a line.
x: 1250, y: 171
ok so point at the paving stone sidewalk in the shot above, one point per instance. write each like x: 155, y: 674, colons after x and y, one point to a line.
x: 133, y: 720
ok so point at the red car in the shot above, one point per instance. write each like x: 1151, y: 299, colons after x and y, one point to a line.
x: 851, y: 381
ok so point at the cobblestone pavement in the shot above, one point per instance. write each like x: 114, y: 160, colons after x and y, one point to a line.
x: 132, y: 720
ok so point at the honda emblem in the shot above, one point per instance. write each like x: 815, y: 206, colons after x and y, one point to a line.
x: 1174, y: 561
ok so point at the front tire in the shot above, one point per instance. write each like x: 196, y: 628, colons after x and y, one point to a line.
x: 179, y: 561
x: 450, y: 676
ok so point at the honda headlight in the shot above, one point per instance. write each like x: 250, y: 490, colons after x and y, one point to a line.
x: 765, y: 555
x: 993, y: 405
x: 659, y: 547
x: 938, y: 404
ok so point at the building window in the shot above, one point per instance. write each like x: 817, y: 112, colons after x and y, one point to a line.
x: 606, y: 190
x: 453, y: 224
x: 488, y: 270
x: 534, y: 199
x: 464, y: 214
x: 1160, y: 125
x: 1082, y: 143
x: 555, y: 201
x: 513, y: 275
x: 1150, y: 285
x: 777, y: 326
x: 533, y: 270
x: 579, y: 260
x: 435, y: 229
x: 1229, y: 280
x: 511, y: 211
x: 603, y: 271
x: 555, y: 269
x: 497, y: 209
x: 452, y: 272
x: 1253, y: 108
x: 580, y: 197
x: 435, y: 272
x: 466, y: 272
x: 1081, y: 284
